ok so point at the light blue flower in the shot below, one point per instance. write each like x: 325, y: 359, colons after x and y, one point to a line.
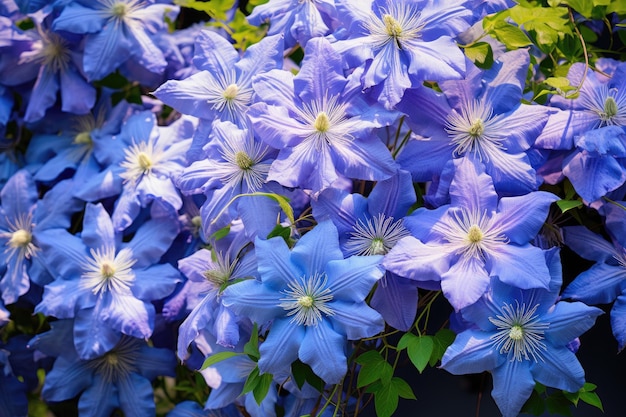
x: 522, y: 336
x: 107, y: 285
x: 321, y: 124
x: 315, y: 299
x: 474, y: 238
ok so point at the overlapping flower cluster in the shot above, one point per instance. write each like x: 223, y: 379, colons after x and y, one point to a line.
x: 144, y: 235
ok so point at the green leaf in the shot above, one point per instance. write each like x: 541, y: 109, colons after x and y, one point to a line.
x: 373, y: 368
x: 591, y: 398
x: 252, y: 347
x: 252, y: 380
x: 558, y: 404
x: 535, y: 404
x: 221, y: 233
x: 512, y: 36
x: 419, y: 349
x: 584, y: 7
x: 282, y: 231
x: 442, y: 339
x: 403, y: 389
x: 385, y: 400
x: 303, y: 373
x: 566, y: 205
x: 262, y: 387
x: 218, y: 357
x: 481, y: 54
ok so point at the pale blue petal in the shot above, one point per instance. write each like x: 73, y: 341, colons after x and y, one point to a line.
x: 355, y: 320
x: 522, y: 217
x: 152, y: 240
x: 412, y: 259
x: 323, y: 350
x: 79, y: 19
x: 472, y: 188
x: 465, y: 282
x: 587, y: 244
x: 393, y: 196
x: 618, y: 321
x: 60, y: 298
x: 593, y: 176
x: 512, y: 385
x: 568, y: 321
x: 155, y: 282
x: 253, y: 299
x: 105, y: 51
x: 92, y: 337
x: 44, y: 95
x: 601, y: 284
x: 559, y: 369
x: 280, y: 348
x: 18, y: 195
x: 66, y: 379
x: 520, y: 266
x: 395, y: 299
x: 321, y: 74
x: 152, y: 362
x: 97, y: 228
x: 213, y: 53
x: 471, y: 352
x: 352, y: 279
x: 128, y: 315
x: 274, y: 263
x: 316, y: 249
x: 77, y: 95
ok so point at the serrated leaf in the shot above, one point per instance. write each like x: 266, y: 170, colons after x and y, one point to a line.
x: 592, y: 399
x: 218, y: 357
x: 262, y: 387
x: 403, y: 389
x: 566, y: 205
x: 419, y: 350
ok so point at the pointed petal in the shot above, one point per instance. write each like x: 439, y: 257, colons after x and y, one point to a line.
x: 522, y: 217
x: 100, y: 399
x: 471, y: 352
x: 559, y: 369
x: 92, y: 337
x: 253, y: 299
x: 136, y: 395
x: 323, y: 350
x: 316, y: 249
x: 568, y: 321
x: 465, y: 282
x: 601, y: 284
x: 396, y: 299
x: 352, y: 279
x: 355, y: 320
x: 412, y: 259
x: 280, y: 348
x: 97, y: 227
x: 512, y: 385
x: 520, y: 266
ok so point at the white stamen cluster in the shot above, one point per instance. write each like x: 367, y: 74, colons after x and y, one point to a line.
x: 225, y: 94
x: 398, y: 24
x: 140, y: 159
x: 325, y: 122
x: 376, y: 236
x: 20, y: 236
x: 106, y: 271
x: 306, y: 300
x: 609, y: 104
x: 477, y: 131
x: 520, y: 332
x: 244, y: 163
x: 471, y: 234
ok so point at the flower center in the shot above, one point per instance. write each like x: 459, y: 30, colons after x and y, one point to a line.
x: 516, y: 332
x: 116, y: 364
x: 306, y: 300
x: 105, y: 271
x: 322, y: 122
x: 392, y: 26
x: 476, y: 128
x: 376, y: 236
x: 474, y: 234
x: 83, y: 138
x: 144, y: 161
x: 230, y: 92
x: 243, y: 160
x: 119, y: 10
x: 520, y: 332
x: 20, y: 239
x: 610, y: 109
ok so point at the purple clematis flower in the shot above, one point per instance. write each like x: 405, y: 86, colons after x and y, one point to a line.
x: 105, y: 284
x: 315, y: 299
x: 321, y: 124
x: 116, y: 31
x: 474, y: 238
x: 402, y: 43
x: 522, y: 336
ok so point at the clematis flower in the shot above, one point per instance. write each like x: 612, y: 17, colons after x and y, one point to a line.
x: 22, y: 218
x: 481, y: 116
x: 522, y: 336
x: 314, y: 298
x: 119, y: 378
x: 373, y: 226
x: 116, y: 31
x: 402, y: 43
x: 604, y: 282
x: 105, y: 284
x: 297, y: 20
x: 322, y: 126
x: 474, y: 238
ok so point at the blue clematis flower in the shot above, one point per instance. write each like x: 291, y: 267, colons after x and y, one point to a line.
x: 119, y: 378
x: 474, y: 238
x: 321, y: 124
x: 402, y: 43
x: 22, y: 218
x: 481, y: 116
x: 105, y: 284
x: 522, y: 336
x: 315, y: 299
x: 372, y: 226
x: 116, y: 31
x: 605, y: 281
x: 222, y: 89
x: 298, y: 20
